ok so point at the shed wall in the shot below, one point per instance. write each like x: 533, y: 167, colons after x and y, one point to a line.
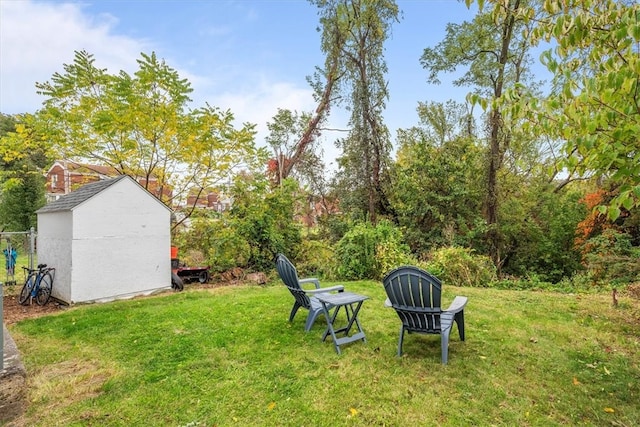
x: 115, y: 244
x: 54, y: 249
x: 121, y: 244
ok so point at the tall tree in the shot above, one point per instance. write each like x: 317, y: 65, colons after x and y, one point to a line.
x: 594, y: 106
x: 354, y: 33
x: 24, y: 156
x: 494, y: 49
x: 141, y: 125
x: 436, y: 193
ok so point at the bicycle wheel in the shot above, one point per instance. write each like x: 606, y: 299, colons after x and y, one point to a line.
x: 25, y: 293
x: 44, y: 289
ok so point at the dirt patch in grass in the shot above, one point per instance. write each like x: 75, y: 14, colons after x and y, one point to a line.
x: 14, y: 312
x: 60, y: 385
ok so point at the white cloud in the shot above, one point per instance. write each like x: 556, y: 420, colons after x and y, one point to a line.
x: 37, y: 38
x: 259, y: 101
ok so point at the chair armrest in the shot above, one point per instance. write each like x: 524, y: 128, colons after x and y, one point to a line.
x: 313, y: 280
x: 338, y: 288
x: 457, y: 305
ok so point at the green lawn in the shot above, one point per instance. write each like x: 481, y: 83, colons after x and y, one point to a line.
x: 228, y: 356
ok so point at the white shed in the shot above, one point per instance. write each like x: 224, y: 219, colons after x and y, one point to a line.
x: 107, y: 240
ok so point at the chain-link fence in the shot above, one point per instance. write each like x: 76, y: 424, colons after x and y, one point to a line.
x: 18, y: 248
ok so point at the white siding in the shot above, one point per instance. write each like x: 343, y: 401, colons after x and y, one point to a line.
x: 118, y: 245
x: 54, y: 249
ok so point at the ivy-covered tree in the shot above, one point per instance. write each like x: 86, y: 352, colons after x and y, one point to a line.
x: 354, y: 32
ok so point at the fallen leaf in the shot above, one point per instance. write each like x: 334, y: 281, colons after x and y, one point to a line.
x: 533, y: 340
x: 353, y: 412
x: 609, y: 410
x: 575, y: 381
x: 271, y: 406
x: 606, y: 371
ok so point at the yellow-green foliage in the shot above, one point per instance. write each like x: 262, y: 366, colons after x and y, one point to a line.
x: 460, y: 267
x: 316, y: 258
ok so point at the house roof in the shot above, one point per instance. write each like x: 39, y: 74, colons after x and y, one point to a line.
x: 73, y: 199
x: 83, y: 168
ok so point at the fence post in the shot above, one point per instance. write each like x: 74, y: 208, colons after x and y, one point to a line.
x: 32, y: 246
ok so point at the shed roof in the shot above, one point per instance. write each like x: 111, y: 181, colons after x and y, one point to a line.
x: 73, y: 199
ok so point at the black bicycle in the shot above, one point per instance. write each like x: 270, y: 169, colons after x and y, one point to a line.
x: 38, y: 285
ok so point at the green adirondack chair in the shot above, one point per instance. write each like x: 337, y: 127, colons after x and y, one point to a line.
x: 304, y: 298
x: 415, y: 296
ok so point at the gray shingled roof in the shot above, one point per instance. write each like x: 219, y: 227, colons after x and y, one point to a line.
x: 73, y: 199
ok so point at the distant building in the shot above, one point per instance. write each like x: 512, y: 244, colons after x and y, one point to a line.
x: 212, y: 199
x: 64, y: 176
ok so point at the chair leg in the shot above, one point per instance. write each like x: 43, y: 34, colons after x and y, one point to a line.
x: 311, y: 318
x: 459, y: 318
x: 444, y: 342
x: 294, y: 310
x: 400, y: 340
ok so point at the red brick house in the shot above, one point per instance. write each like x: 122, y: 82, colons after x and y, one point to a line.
x: 65, y: 176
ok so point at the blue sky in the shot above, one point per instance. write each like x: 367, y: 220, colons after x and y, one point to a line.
x: 249, y: 56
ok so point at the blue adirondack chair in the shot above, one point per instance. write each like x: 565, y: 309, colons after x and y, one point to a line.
x: 304, y: 298
x: 415, y: 296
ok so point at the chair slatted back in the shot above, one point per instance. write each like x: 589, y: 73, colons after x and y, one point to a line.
x: 415, y: 295
x: 289, y: 276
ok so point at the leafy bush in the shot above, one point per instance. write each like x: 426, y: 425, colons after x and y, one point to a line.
x: 368, y: 252
x: 315, y: 259
x: 611, y: 258
x: 461, y: 267
x: 539, y: 234
x: 263, y: 218
x: 227, y: 249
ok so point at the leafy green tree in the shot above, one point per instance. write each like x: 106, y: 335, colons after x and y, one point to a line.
x: 494, y: 51
x: 7, y: 124
x: 354, y: 33
x: 262, y: 216
x: 141, y: 125
x: 24, y: 156
x: 436, y: 194
x: 593, y: 106
x: 249, y: 235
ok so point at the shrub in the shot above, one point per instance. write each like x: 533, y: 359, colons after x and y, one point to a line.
x: 368, y: 252
x: 263, y: 218
x: 315, y: 259
x: 611, y: 258
x: 461, y: 267
x: 228, y: 249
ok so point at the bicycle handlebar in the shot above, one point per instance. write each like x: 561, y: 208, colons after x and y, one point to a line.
x: 41, y: 267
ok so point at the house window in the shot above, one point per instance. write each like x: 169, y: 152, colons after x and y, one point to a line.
x: 54, y: 181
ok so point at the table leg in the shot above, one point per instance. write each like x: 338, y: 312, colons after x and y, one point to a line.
x: 351, y: 319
